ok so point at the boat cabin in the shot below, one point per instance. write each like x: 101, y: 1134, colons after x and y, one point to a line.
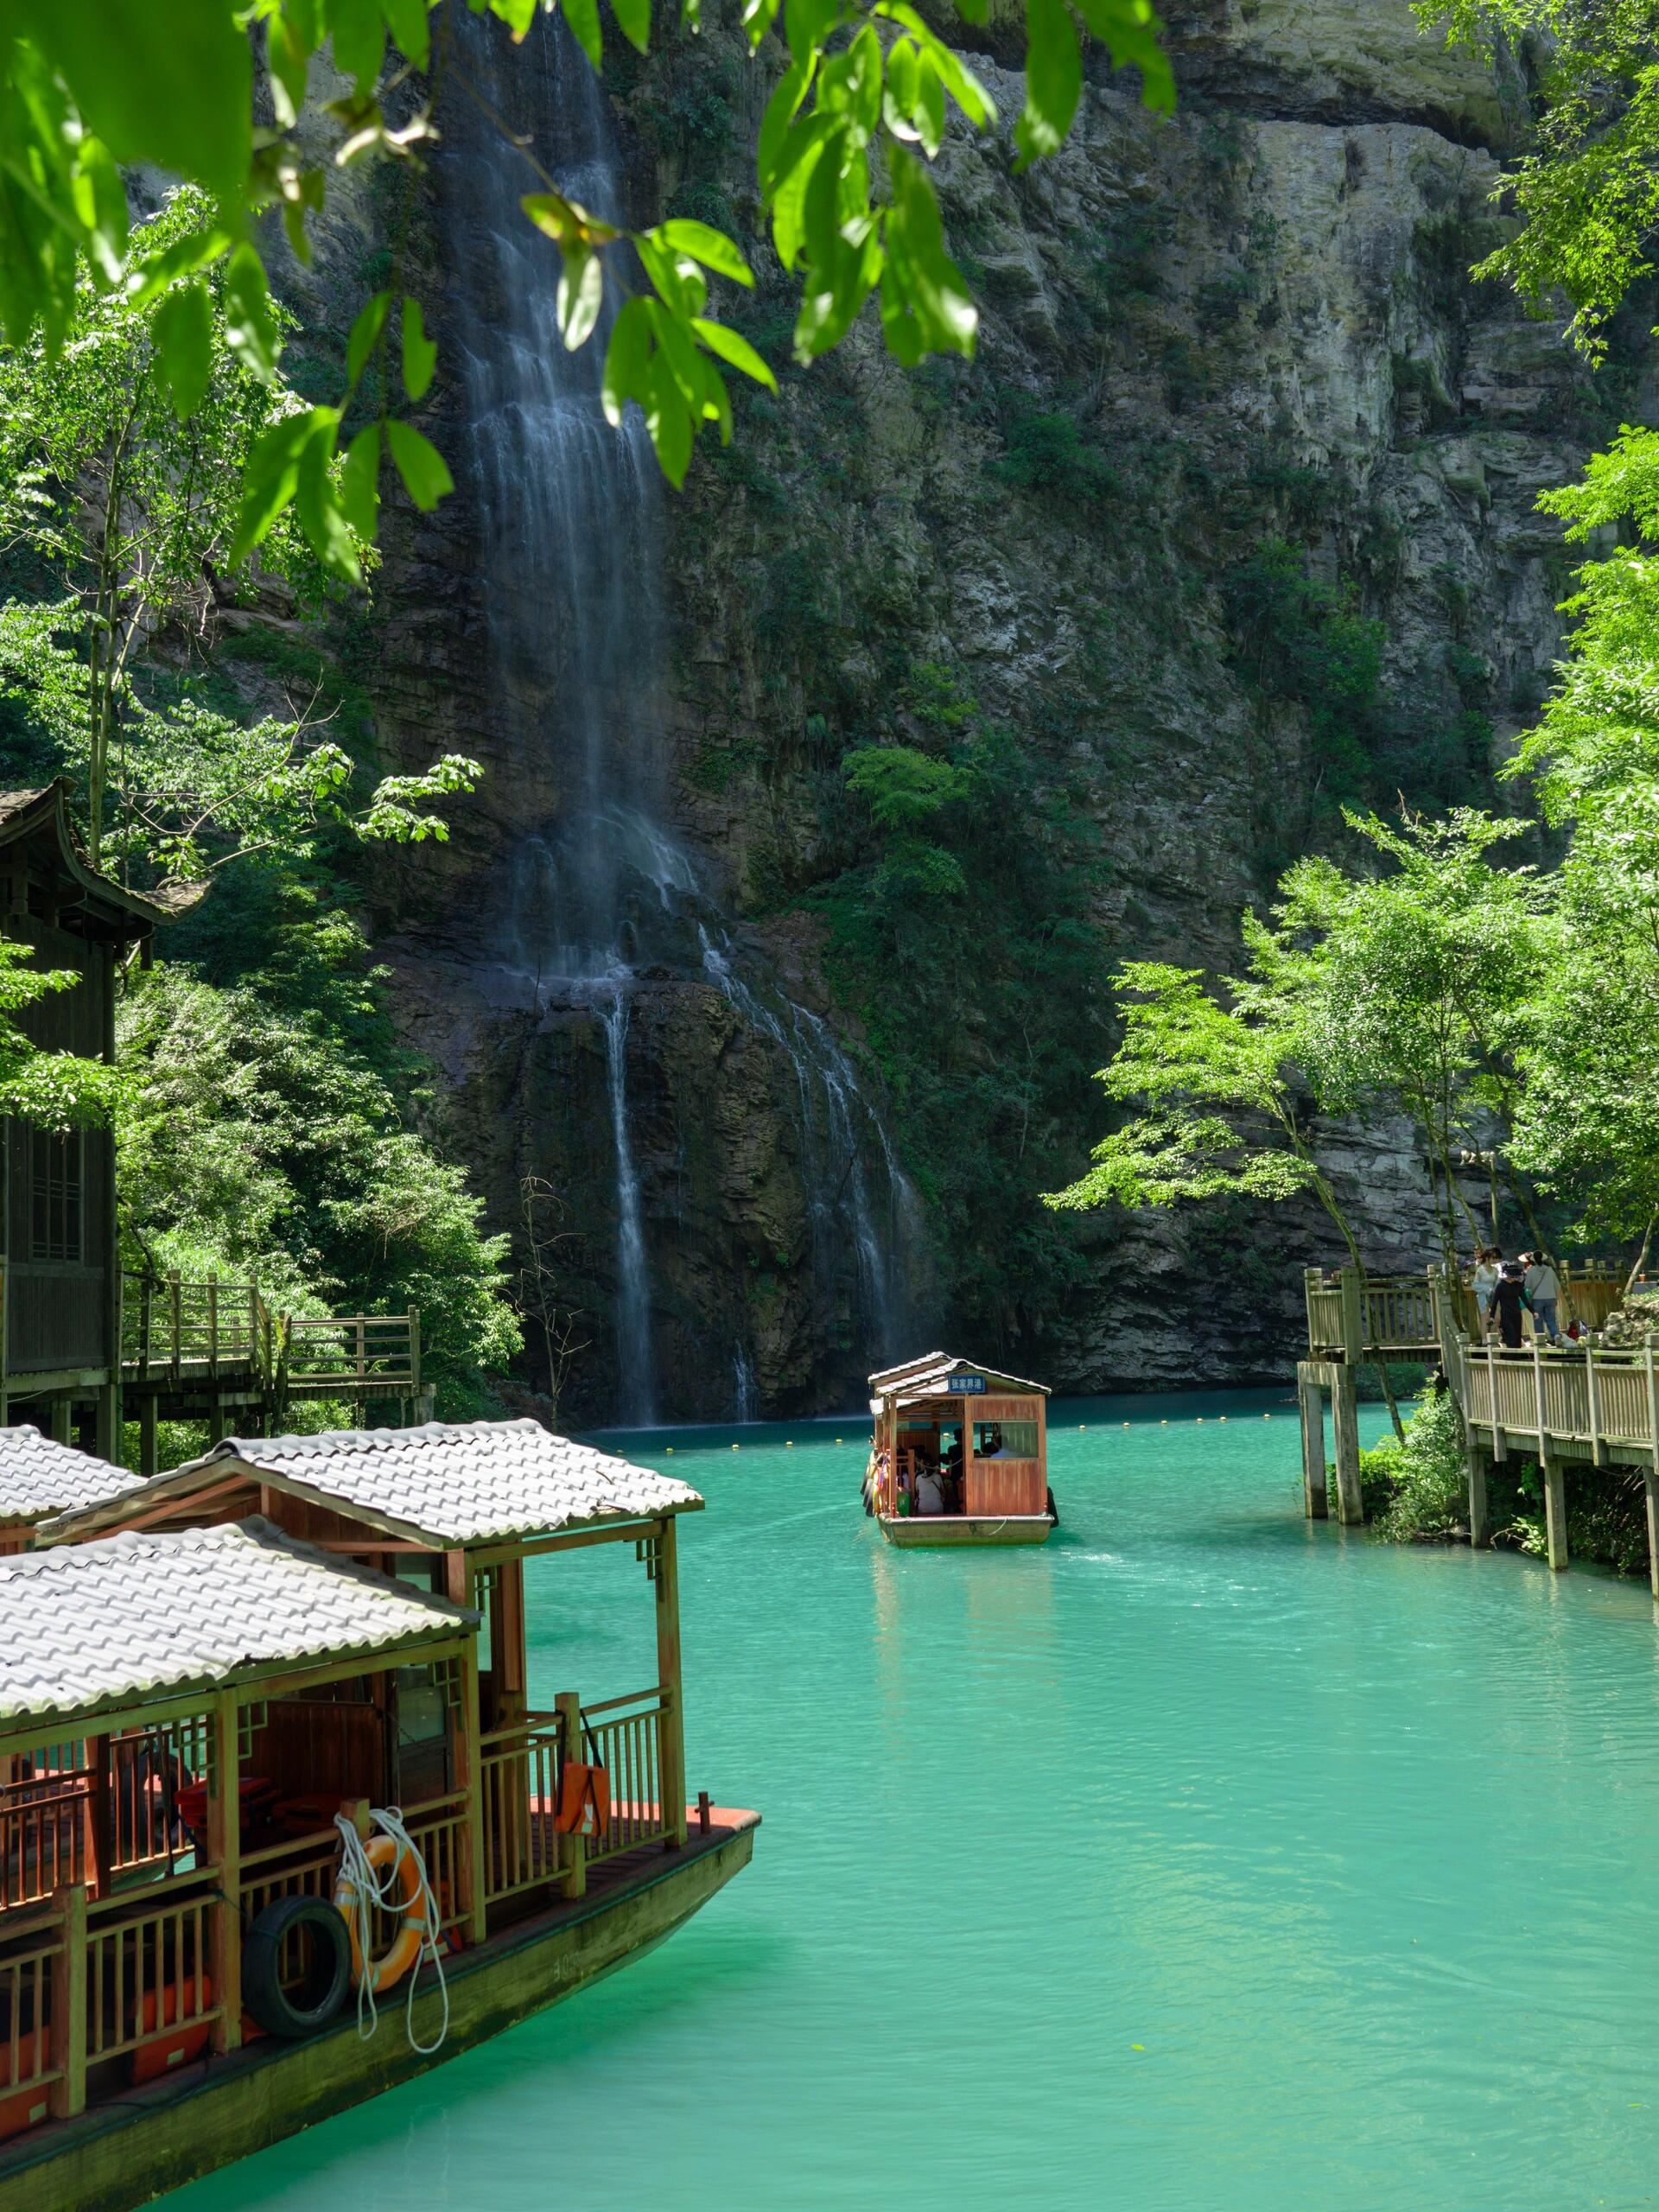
x: 171, y: 1710
x: 960, y: 1454
x: 458, y: 1509
x: 60, y: 1288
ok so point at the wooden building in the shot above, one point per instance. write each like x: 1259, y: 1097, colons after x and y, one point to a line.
x: 60, y: 1278
x: 959, y: 1456
x: 41, y: 1479
x: 480, y: 1756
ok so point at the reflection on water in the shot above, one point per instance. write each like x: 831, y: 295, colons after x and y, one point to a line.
x: 1194, y: 1860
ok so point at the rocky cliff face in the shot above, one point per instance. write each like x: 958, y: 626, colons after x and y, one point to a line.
x: 1232, y: 516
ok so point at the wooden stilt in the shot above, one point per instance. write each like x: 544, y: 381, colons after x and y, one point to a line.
x: 1480, y: 1513
x: 108, y: 1425
x: 57, y: 1417
x: 1344, y: 1420
x: 149, y: 1441
x: 1555, y: 1513
x: 1650, y: 1484
x: 1310, y: 1392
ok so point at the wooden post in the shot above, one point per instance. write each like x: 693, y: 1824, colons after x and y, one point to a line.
x: 1352, y: 1285
x: 100, y: 1806
x: 573, y: 1849
x: 1310, y: 1394
x: 472, y: 1854
x: 225, y: 1856
x: 1555, y: 1513
x: 57, y: 1418
x: 1480, y: 1513
x: 1538, y: 1400
x: 1653, y: 1404
x: 108, y: 1428
x: 67, y: 2095
x: 671, y: 1740
x: 1344, y: 1420
x: 1592, y: 1399
x: 1312, y: 1280
x: 1650, y: 1485
x: 149, y: 1440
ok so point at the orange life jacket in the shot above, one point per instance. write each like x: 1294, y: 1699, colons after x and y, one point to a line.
x: 584, y: 1800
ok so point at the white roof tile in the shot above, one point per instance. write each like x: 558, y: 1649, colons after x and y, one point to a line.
x: 38, y: 1477
x: 143, y: 1615
x: 449, y: 1483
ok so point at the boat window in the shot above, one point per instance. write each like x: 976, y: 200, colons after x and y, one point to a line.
x: 1004, y: 1439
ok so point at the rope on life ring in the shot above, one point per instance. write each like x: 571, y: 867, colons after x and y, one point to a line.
x: 389, y: 1873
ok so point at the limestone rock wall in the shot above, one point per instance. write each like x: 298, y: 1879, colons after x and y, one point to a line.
x: 1257, y: 320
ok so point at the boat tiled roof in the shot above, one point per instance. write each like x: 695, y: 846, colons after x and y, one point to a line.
x: 38, y: 1477
x: 926, y: 1376
x: 154, y: 1614
x: 445, y: 1484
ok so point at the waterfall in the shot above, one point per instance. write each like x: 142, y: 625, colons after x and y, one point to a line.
x: 743, y: 1385
x: 602, y: 901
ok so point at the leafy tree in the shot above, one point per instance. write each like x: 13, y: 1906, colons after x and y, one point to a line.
x: 56, y: 1091
x: 860, y: 110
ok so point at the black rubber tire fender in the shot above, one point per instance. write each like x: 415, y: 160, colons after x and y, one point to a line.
x: 1052, y: 1511
x: 296, y: 2013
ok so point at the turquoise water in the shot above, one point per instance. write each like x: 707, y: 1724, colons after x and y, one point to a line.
x: 1198, y: 1859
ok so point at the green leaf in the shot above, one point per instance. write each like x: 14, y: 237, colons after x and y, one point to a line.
x: 365, y: 336
x: 705, y: 244
x: 625, y: 360
x: 406, y: 20
x: 183, y: 329
x: 272, y: 474
x: 583, y: 15
x: 171, y: 86
x: 1053, y: 80
x: 757, y: 17
x: 249, y: 325
x: 422, y: 467
x: 808, y: 23
x: 933, y: 311
x: 359, y: 483
x: 288, y: 52
x: 668, y: 420
x: 420, y: 355
x: 517, y: 15
x: 781, y: 110
x: 969, y: 95
x: 317, y: 504
x: 720, y: 338
x: 1130, y: 29
x: 796, y: 160
x: 147, y: 278
x: 581, y: 294
x: 677, y: 354
x: 358, y: 38
x: 633, y: 19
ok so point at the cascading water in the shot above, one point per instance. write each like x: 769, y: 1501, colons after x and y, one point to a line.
x: 600, y: 890
x: 742, y: 1386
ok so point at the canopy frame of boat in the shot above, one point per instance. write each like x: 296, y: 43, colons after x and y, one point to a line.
x: 1000, y: 1495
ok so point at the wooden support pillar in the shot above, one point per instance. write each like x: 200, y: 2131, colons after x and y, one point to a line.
x: 57, y: 1411
x: 1480, y: 1513
x: 671, y: 1742
x: 1310, y: 1395
x: 474, y: 1842
x: 1650, y: 1485
x: 149, y: 1439
x: 219, y: 1427
x: 1344, y: 1420
x: 573, y: 1848
x: 1555, y: 1513
x: 107, y: 1428
x: 67, y: 2095
x: 225, y: 1856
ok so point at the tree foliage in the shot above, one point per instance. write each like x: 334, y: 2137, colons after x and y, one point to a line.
x: 867, y: 94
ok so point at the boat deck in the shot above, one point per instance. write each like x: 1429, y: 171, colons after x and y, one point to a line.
x: 157, y: 2137
x: 911, y: 1531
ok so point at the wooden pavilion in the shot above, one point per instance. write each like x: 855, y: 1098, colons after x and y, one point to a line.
x: 959, y: 1456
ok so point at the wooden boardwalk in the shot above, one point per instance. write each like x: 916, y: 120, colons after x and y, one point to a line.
x: 1564, y: 1405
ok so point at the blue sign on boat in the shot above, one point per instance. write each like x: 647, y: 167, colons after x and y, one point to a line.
x: 963, y: 1386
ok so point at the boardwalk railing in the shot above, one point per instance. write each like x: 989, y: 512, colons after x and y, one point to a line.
x: 175, y: 1333
x: 1353, y: 1317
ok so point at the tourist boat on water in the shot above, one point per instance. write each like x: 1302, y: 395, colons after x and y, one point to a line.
x: 959, y: 1456
x: 240, y: 1699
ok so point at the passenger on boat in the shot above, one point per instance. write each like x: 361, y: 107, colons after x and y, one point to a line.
x: 993, y: 1448
x: 929, y: 1491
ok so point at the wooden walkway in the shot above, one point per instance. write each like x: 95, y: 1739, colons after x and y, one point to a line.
x: 1573, y: 1404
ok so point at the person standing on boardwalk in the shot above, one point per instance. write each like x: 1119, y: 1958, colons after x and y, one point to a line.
x: 1483, y: 1282
x: 1508, y: 1299
x: 1543, y: 1290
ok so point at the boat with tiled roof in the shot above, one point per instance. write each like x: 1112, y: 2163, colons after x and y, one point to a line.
x: 959, y: 1455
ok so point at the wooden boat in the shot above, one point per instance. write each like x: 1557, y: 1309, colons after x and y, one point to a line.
x: 959, y: 1456
x: 197, y: 1674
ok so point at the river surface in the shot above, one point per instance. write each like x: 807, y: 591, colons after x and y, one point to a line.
x: 1199, y: 1861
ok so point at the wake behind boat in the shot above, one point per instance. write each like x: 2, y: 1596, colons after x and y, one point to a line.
x: 959, y: 1456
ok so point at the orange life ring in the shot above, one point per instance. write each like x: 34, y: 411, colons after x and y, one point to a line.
x: 405, y: 1950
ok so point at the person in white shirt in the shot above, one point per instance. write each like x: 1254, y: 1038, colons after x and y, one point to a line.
x: 1483, y: 1282
x: 1543, y: 1290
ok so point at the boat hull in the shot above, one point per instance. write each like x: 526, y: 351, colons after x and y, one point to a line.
x: 913, y: 1531
x: 112, y: 2158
